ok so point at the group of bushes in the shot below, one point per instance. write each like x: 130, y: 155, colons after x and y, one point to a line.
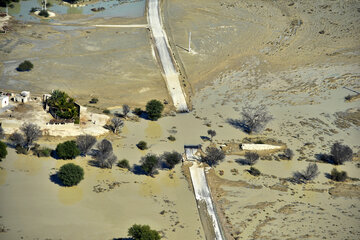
x: 151, y: 162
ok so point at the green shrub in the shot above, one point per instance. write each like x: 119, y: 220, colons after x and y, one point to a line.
x: 338, y: 176
x: 21, y: 150
x: 106, y: 111
x: 25, y: 66
x: 43, y: 152
x: 171, y: 158
x: 171, y: 138
x: 67, y: 150
x: 143, y: 232
x: 142, y: 145
x: 124, y: 164
x: 43, y: 13
x: 254, y: 171
x: 3, y: 151
x: 77, y: 120
x: 154, y: 109
x: 138, y: 111
x: 70, y: 174
x: 150, y: 163
x: 94, y: 100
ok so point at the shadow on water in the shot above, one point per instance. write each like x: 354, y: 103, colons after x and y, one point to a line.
x: 55, y: 179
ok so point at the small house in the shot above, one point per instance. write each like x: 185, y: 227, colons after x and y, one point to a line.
x: 4, y: 101
x: 23, y: 97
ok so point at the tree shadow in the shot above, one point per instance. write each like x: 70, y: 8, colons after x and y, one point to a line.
x: 328, y: 176
x: 55, y: 179
x: 137, y: 170
x: 243, y: 162
x: 54, y: 155
x: 326, y: 158
x: 239, y: 124
x: 205, y: 138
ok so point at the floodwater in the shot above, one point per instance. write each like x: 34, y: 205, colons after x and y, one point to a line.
x: 113, y: 8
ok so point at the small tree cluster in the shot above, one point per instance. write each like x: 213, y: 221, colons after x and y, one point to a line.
x: 310, y: 173
x: 70, y: 174
x: 154, y: 109
x: 143, y: 232
x: 30, y: 133
x: 213, y: 156
x: 255, y: 118
x: 85, y: 143
x: 25, y: 66
x: 104, y: 156
x: 341, y: 153
x: 338, y: 176
x: 67, y: 150
x: 251, y: 157
x: 3, y: 151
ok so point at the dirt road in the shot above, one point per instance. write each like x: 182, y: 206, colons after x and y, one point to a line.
x: 163, y: 50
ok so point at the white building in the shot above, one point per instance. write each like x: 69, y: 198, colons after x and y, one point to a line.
x: 23, y: 97
x: 4, y: 101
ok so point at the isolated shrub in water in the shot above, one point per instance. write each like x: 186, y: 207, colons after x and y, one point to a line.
x: 338, y: 176
x: 138, y: 111
x: 171, y: 158
x: 94, y: 100
x: 341, y: 153
x: 171, y: 138
x: 142, y: 145
x: 150, y: 163
x: 3, y: 151
x: 143, y: 232
x: 43, y: 152
x: 124, y: 164
x: 67, y: 150
x: 25, y: 66
x: 70, y: 174
x: 43, y: 13
x: 254, y: 171
x: 154, y: 109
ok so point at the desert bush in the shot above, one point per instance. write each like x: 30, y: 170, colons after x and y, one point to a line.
x: 143, y: 232
x: 149, y: 164
x: 171, y: 138
x: 25, y: 66
x: 106, y: 111
x: 94, y: 100
x: 338, y: 176
x: 32, y: 132
x: 254, y: 171
x: 17, y: 139
x: 3, y: 151
x: 126, y: 109
x: 124, y: 164
x: 213, y: 156
x: 138, y: 111
x: 310, y: 173
x: 142, y: 145
x: 171, y: 158
x: 341, y: 153
x: 154, y: 109
x: 255, y: 118
x: 116, y: 124
x: 43, y: 13
x: 70, y: 174
x: 288, y: 153
x: 85, y: 143
x: 43, y: 152
x: 211, y: 133
x: 67, y: 150
x: 251, y: 157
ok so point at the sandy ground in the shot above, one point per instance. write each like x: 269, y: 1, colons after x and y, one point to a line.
x: 80, y: 59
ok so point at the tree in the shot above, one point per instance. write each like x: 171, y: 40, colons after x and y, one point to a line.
x: 310, y: 173
x: 154, y: 109
x: 338, y: 176
x: 17, y: 139
x: 67, y: 150
x: 25, y: 66
x: 149, y: 164
x: 251, y: 157
x: 124, y: 164
x: 85, y: 143
x: 212, y: 133
x: 255, y: 118
x: 104, y: 155
x: 341, y: 153
x: 70, y: 174
x: 213, y: 156
x: 116, y: 124
x: 3, y: 151
x: 44, y: 13
x: 288, y: 153
x: 126, y: 109
x: 143, y: 232
x: 171, y: 158
x: 62, y: 105
x: 32, y: 132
